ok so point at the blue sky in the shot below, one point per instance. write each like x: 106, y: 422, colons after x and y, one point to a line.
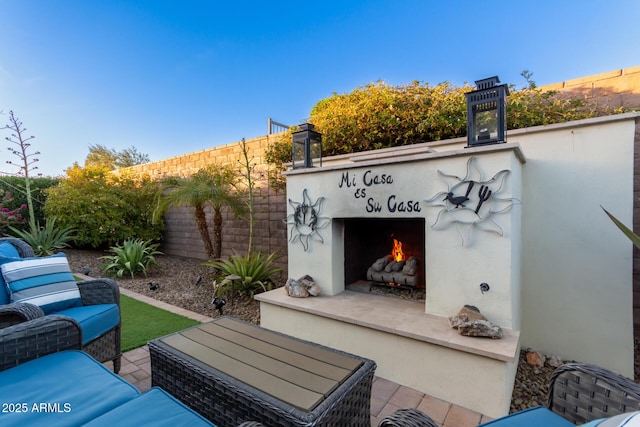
x: 172, y: 77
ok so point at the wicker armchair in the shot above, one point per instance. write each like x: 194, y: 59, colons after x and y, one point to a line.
x: 96, y: 291
x: 578, y: 393
x: 36, y: 338
x: 582, y: 393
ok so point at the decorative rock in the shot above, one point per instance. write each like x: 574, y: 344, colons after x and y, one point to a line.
x: 295, y: 289
x: 554, y: 361
x: 480, y: 328
x: 311, y: 286
x: 535, y: 358
x: 469, y: 322
x: 466, y: 314
x: 302, y: 288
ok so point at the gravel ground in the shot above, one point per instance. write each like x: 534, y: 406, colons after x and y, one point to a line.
x: 186, y: 283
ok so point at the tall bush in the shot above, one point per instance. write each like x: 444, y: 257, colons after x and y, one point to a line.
x: 379, y: 115
x: 104, y: 208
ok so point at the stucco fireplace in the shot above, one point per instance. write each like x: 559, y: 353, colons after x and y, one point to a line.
x: 457, y: 213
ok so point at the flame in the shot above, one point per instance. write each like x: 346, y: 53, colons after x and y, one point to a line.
x: 396, y: 252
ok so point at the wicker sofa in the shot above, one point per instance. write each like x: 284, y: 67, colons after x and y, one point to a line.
x: 98, y: 314
x: 578, y: 394
x: 46, y: 380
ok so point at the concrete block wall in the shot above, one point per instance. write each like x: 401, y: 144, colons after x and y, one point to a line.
x: 182, y: 237
x: 619, y: 88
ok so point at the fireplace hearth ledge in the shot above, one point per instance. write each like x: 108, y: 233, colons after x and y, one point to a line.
x: 398, y: 317
x: 410, y: 347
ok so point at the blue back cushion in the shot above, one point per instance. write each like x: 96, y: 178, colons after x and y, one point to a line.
x: 46, y: 282
x: 8, y: 253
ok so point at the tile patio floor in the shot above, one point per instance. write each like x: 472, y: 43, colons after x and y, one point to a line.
x: 386, y: 396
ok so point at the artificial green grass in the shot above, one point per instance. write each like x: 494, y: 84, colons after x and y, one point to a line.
x: 142, y: 322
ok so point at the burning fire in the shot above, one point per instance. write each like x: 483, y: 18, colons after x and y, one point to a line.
x: 396, y: 252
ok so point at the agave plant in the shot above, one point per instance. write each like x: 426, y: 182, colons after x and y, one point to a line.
x: 245, y: 274
x: 626, y: 230
x: 45, y: 240
x: 133, y: 256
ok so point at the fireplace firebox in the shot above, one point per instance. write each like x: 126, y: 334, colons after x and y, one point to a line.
x: 369, y: 255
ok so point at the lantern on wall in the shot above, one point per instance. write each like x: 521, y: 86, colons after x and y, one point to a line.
x: 487, y: 113
x: 306, y: 147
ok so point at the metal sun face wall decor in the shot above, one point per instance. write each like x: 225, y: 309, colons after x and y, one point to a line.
x: 471, y: 201
x: 305, y: 221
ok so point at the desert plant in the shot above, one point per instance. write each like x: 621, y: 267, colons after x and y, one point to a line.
x: 213, y: 186
x: 244, y: 274
x: 26, y: 162
x: 45, y: 240
x: 626, y: 230
x: 133, y: 256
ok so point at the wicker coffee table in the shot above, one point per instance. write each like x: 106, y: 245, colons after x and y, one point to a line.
x: 231, y: 371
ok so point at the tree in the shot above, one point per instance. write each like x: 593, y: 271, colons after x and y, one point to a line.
x: 109, y: 158
x: 27, y: 160
x: 210, y: 186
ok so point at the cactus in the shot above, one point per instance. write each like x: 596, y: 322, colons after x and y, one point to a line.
x: 484, y: 193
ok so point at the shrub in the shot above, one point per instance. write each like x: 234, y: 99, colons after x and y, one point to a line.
x: 45, y: 240
x: 16, y: 187
x: 103, y: 207
x: 133, y: 256
x: 244, y: 274
x: 9, y: 216
x: 379, y: 115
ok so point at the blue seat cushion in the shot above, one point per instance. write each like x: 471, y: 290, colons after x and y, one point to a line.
x: 46, y: 282
x: 8, y: 253
x: 154, y: 408
x: 533, y: 417
x: 94, y: 320
x: 61, y: 389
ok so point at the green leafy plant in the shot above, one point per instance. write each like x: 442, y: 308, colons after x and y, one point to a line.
x: 104, y: 207
x: 626, y: 230
x: 45, y: 240
x: 212, y: 186
x: 133, y: 256
x: 244, y: 274
x: 379, y: 115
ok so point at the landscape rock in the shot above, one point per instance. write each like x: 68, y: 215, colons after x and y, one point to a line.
x: 302, y: 288
x: 471, y: 323
x: 554, y: 361
x: 480, y: 328
x: 295, y: 289
x: 310, y: 285
x: 535, y: 358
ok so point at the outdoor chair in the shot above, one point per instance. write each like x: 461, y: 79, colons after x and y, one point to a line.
x: 28, y: 294
x: 579, y: 394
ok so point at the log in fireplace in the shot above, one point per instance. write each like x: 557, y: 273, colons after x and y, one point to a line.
x: 371, y: 246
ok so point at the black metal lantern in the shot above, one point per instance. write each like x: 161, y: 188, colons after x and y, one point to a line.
x: 487, y: 113
x: 306, y: 147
